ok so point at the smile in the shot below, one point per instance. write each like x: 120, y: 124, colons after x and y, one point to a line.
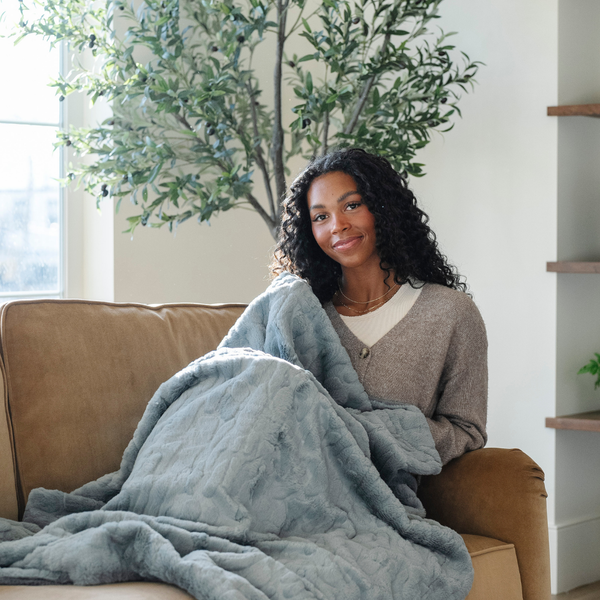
x: 347, y: 244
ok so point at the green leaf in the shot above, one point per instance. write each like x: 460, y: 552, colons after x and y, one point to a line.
x: 305, y: 58
x: 309, y: 83
x: 154, y: 173
x: 593, y: 367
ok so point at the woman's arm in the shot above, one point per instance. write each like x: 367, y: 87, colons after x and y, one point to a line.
x: 458, y: 423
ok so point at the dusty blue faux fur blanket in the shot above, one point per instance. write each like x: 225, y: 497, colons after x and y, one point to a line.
x: 261, y: 470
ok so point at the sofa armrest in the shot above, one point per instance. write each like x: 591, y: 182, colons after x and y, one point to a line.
x: 497, y: 493
x: 8, y: 490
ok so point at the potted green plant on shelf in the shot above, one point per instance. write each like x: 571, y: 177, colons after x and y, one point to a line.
x: 191, y: 132
x: 593, y: 367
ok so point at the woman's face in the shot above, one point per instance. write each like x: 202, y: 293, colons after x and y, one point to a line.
x: 343, y: 226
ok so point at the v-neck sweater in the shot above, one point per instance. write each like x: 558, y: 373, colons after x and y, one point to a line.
x: 436, y: 359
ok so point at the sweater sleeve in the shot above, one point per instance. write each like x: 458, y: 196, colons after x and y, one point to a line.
x: 458, y: 423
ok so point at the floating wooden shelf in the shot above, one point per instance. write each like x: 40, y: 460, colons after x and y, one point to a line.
x: 589, y: 421
x: 575, y: 110
x: 573, y: 267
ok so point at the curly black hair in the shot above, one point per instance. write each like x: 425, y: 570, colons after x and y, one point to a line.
x: 405, y: 243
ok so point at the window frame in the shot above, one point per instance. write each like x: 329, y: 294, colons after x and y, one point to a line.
x: 62, y: 221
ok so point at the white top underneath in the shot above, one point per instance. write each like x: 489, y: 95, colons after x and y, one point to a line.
x: 370, y: 328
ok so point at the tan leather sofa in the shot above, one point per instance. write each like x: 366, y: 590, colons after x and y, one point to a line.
x: 77, y: 375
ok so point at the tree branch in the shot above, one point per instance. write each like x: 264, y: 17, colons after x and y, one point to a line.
x: 183, y: 121
x: 277, y: 147
x: 360, y: 105
x: 325, y: 133
x: 224, y: 166
x: 272, y: 224
x: 259, y: 153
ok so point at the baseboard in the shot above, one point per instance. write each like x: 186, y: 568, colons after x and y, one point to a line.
x: 574, y: 553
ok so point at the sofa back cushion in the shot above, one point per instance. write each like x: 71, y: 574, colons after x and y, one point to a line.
x: 79, y: 375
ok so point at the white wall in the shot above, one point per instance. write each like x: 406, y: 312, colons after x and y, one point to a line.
x: 89, y: 240
x: 225, y: 261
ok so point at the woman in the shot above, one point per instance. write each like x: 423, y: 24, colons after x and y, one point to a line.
x: 352, y: 229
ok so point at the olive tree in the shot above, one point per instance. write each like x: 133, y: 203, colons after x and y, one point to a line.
x: 191, y: 131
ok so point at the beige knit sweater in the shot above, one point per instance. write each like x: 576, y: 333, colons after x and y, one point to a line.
x: 434, y: 358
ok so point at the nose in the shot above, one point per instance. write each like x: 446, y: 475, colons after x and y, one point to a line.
x: 339, y: 222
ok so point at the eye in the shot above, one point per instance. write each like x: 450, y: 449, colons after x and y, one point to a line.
x: 353, y: 205
x: 318, y: 218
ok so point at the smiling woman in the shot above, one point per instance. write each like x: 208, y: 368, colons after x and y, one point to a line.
x: 342, y: 225
x: 352, y: 229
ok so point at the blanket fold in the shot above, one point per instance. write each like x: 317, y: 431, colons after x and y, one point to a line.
x: 261, y: 470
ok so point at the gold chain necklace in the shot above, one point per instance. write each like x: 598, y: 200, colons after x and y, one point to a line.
x: 363, y: 312
x: 368, y: 301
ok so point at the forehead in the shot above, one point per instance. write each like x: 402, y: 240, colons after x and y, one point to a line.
x: 330, y: 187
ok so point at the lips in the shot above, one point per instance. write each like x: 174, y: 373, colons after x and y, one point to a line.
x: 347, y: 243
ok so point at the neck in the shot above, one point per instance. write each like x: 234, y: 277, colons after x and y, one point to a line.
x: 366, y: 287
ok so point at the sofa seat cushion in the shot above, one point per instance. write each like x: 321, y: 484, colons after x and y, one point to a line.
x: 496, y: 578
x: 113, y: 591
x: 497, y: 575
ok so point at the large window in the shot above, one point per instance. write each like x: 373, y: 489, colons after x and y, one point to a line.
x: 30, y: 196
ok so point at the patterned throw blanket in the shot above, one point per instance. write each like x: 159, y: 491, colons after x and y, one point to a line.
x: 261, y: 470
